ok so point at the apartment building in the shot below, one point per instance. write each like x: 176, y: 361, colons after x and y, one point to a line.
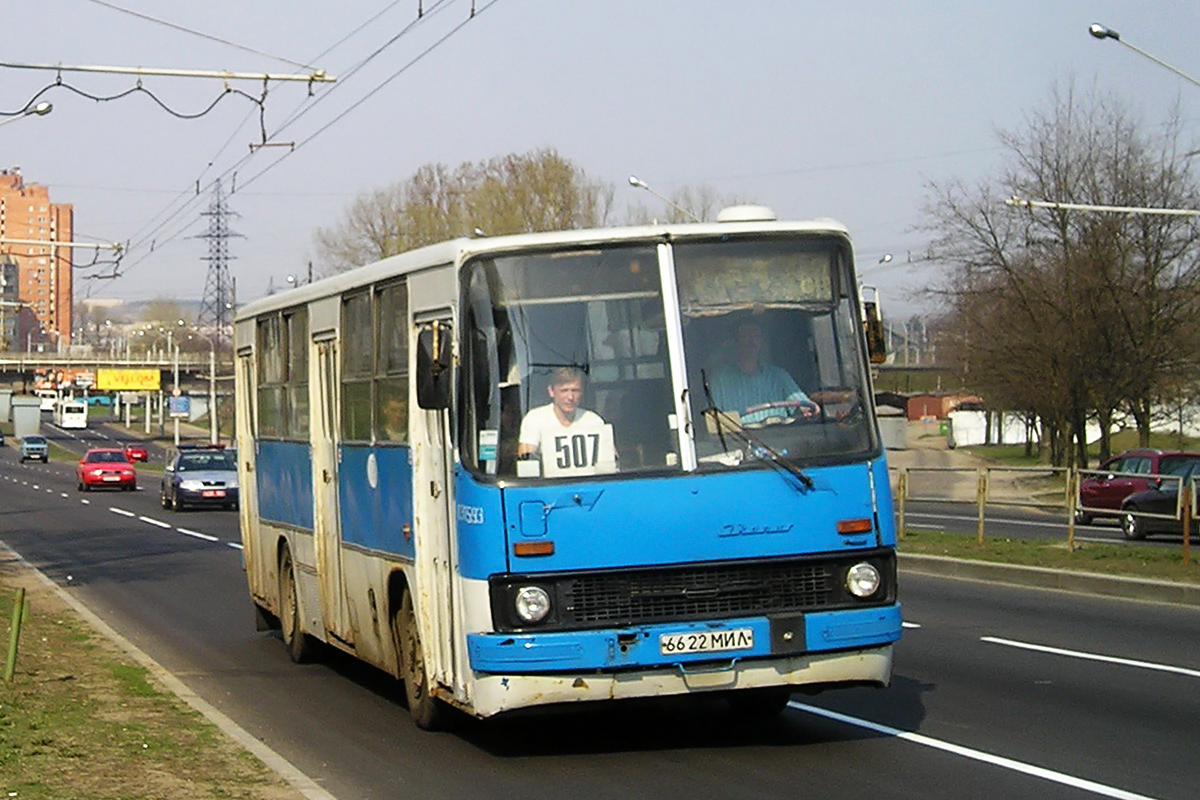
x: 31, y: 228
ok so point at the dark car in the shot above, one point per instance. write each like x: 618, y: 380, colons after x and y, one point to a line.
x: 136, y: 451
x: 1101, y: 494
x: 200, y: 476
x: 34, y: 448
x: 1161, y: 498
x: 105, y: 466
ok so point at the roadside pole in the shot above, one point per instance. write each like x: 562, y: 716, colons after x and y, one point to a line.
x: 14, y: 634
x: 1189, y: 495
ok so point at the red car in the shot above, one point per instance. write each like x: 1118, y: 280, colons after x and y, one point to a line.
x: 105, y: 467
x: 1102, y: 491
x: 136, y: 451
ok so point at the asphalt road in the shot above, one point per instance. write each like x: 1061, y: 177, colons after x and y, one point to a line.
x: 1108, y: 707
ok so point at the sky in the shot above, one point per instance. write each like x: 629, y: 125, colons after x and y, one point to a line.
x: 846, y: 110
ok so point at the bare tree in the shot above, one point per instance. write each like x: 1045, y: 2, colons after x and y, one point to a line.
x: 1076, y: 314
x: 517, y: 193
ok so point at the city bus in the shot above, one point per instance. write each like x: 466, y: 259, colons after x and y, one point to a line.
x: 70, y: 413
x: 398, y: 504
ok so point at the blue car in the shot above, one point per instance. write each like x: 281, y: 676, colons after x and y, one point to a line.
x: 34, y: 448
x: 196, y: 476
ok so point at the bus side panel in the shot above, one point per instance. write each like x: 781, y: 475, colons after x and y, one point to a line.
x: 375, y: 511
x: 480, y: 525
x: 375, y: 500
x: 886, y: 515
x: 284, y: 483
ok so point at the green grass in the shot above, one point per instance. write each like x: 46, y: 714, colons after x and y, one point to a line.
x: 80, y: 720
x: 1127, y: 560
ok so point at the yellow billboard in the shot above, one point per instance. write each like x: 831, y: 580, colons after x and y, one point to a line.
x: 128, y: 380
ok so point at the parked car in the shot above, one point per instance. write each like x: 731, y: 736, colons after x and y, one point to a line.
x: 105, y: 466
x: 136, y: 451
x: 1123, y: 475
x: 34, y: 448
x: 200, y: 476
x: 1161, y: 498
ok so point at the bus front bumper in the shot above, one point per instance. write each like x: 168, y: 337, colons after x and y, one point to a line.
x: 495, y: 694
x: 650, y: 646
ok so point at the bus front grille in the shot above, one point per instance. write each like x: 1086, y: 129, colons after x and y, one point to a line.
x: 639, y: 596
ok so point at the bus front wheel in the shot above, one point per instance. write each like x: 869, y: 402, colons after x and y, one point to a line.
x: 426, y: 710
x: 300, y: 645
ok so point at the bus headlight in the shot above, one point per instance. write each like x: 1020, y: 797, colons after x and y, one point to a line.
x: 863, y: 580
x: 532, y: 603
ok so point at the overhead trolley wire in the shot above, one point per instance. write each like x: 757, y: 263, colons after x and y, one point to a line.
x: 191, y: 197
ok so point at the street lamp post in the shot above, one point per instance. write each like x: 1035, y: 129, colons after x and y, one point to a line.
x: 641, y: 184
x: 213, y: 418
x: 1103, y: 32
x: 41, y: 110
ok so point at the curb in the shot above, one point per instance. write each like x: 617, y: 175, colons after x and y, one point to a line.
x: 303, y: 784
x: 1061, y: 580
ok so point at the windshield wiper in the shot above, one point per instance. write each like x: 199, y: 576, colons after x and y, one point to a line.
x: 756, y: 445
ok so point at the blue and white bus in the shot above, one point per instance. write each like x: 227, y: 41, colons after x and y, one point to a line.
x: 391, y: 507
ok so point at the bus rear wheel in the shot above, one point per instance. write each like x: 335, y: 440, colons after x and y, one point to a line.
x: 300, y: 646
x: 426, y: 709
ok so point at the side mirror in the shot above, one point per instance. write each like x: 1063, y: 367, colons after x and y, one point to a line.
x: 434, y: 356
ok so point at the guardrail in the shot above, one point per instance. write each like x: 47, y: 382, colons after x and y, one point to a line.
x: 1061, y: 481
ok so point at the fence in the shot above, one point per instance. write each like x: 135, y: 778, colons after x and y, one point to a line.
x: 1052, y: 488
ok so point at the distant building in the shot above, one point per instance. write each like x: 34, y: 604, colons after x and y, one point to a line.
x: 936, y: 406
x: 31, y: 228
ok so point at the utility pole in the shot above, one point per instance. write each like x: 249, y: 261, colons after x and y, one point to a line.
x: 216, y: 309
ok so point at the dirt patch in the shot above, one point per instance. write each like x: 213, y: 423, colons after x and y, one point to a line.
x: 82, y: 720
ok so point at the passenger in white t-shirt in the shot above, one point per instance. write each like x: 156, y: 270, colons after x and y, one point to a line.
x: 562, y: 412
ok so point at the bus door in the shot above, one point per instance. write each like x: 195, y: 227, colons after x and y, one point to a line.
x: 436, y: 560
x: 261, y: 569
x: 326, y: 530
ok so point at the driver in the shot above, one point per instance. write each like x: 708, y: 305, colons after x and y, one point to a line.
x: 757, y: 392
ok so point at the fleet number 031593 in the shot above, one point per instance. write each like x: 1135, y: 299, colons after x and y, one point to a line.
x: 706, y: 641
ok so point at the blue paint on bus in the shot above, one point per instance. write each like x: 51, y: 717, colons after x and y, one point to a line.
x: 685, y: 519
x: 570, y: 651
x: 284, y: 481
x: 375, y: 502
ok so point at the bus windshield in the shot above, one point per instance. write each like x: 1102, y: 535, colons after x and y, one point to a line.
x: 568, y: 372
x: 772, y: 339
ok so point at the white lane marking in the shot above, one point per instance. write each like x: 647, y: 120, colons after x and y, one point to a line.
x: 85, y: 501
x: 197, y: 534
x: 64, y: 494
x: 1128, y: 662
x: 1027, y: 523
x: 154, y: 521
x: 977, y: 755
x: 909, y: 625
x: 234, y: 545
x: 122, y: 512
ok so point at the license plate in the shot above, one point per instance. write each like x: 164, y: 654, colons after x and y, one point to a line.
x: 213, y: 493
x: 112, y: 478
x: 670, y: 644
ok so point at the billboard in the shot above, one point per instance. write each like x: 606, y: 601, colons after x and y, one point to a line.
x: 128, y: 380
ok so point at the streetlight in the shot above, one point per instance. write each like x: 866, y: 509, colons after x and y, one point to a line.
x: 41, y: 110
x: 1103, y: 32
x: 641, y: 184
x: 213, y: 435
